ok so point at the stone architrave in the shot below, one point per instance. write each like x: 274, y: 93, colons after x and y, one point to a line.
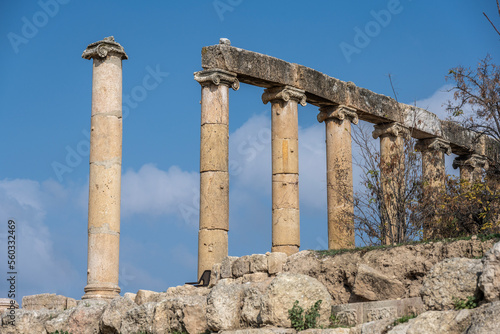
x: 434, y: 174
x: 285, y: 165
x: 338, y: 121
x: 392, y: 174
x: 214, y: 171
x: 105, y: 169
x: 471, y: 166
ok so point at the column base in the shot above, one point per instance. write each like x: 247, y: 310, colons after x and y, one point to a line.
x: 287, y: 249
x: 101, y: 291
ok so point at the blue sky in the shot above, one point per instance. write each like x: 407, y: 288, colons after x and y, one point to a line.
x: 45, y: 99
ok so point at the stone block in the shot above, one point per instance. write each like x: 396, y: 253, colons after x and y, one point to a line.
x: 226, y: 270
x: 258, y: 263
x: 214, y: 200
x: 275, y: 262
x: 255, y: 277
x: 49, y: 301
x: 241, y: 266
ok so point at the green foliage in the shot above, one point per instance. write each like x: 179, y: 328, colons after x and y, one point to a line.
x: 336, y: 323
x: 461, y: 304
x: 301, y: 321
x: 403, y: 319
x: 60, y: 332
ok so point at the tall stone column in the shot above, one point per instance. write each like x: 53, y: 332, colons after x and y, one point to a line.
x: 434, y: 175
x: 471, y: 167
x: 392, y: 171
x: 105, y: 169
x: 338, y: 121
x: 285, y: 165
x: 214, y: 171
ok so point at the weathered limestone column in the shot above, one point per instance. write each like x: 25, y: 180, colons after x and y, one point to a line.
x: 338, y: 121
x: 105, y: 169
x: 434, y: 175
x: 471, y: 166
x: 214, y: 171
x: 285, y: 161
x: 392, y: 169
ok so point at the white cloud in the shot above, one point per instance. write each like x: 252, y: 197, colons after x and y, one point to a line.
x: 437, y: 102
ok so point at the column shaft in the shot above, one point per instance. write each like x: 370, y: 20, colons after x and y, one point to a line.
x: 339, y: 174
x: 214, y: 172
x: 105, y: 170
x: 285, y: 167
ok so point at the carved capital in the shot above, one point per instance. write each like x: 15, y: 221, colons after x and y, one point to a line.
x: 285, y: 93
x: 390, y: 129
x: 434, y: 144
x: 102, y: 48
x: 471, y: 161
x: 217, y: 77
x: 339, y: 112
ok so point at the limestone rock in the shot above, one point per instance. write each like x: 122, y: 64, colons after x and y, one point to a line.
x: 241, y: 266
x: 255, y: 277
x: 226, y: 270
x: 252, y: 303
x: 489, y: 282
x: 181, y: 314
x: 371, y: 284
x: 224, y: 305
x: 130, y: 296
x: 258, y: 263
x: 138, y: 319
x: 215, y: 275
x: 49, y: 301
x: 444, y: 322
x: 265, y: 330
x: 111, y: 319
x: 284, y: 290
x: 451, y: 278
x: 83, y: 319
x: 147, y: 296
x: 275, y: 262
x: 486, y: 319
x: 28, y: 322
x: 184, y: 290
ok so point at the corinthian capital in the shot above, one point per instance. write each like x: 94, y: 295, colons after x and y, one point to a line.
x: 102, y: 48
x: 285, y: 93
x: 434, y: 144
x: 339, y: 112
x: 393, y: 129
x: 217, y: 77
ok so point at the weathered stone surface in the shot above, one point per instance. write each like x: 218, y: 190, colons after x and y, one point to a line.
x: 255, y: 277
x: 148, y: 296
x: 241, y: 266
x: 284, y: 290
x: 226, y: 270
x: 258, y: 263
x: 408, y: 264
x: 489, y: 281
x: 486, y: 319
x: 452, y: 278
x: 27, y: 322
x: 275, y: 262
x: 184, y: 290
x: 49, y: 301
x: 83, y: 319
x: 139, y: 319
x: 265, y: 330
x: 130, y: 296
x: 181, y: 314
x: 215, y: 274
x: 252, y: 303
x: 445, y: 322
x: 111, y: 319
x: 224, y: 304
x: 371, y: 284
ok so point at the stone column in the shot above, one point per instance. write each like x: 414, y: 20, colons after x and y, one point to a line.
x: 392, y: 171
x: 214, y: 172
x: 434, y: 176
x: 471, y: 166
x: 105, y: 169
x: 285, y: 163
x: 338, y: 121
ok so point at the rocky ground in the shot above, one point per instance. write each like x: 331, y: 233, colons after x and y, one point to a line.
x: 253, y: 294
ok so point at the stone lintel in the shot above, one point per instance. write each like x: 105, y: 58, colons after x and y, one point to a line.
x: 394, y: 129
x: 434, y: 144
x: 101, y: 49
x: 338, y: 112
x: 285, y: 93
x: 471, y: 161
x: 217, y: 77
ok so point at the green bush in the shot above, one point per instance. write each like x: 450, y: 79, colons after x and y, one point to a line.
x: 461, y: 304
x: 301, y: 321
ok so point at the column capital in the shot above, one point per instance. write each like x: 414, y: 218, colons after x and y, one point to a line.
x: 285, y: 93
x: 217, y: 77
x: 471, y: 161
x: 101, y: 49
x: 338, y: 112
x: 433, y: 144
x: 393, y: 129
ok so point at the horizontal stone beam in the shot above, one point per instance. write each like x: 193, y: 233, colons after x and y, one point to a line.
x: 265, y: 71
